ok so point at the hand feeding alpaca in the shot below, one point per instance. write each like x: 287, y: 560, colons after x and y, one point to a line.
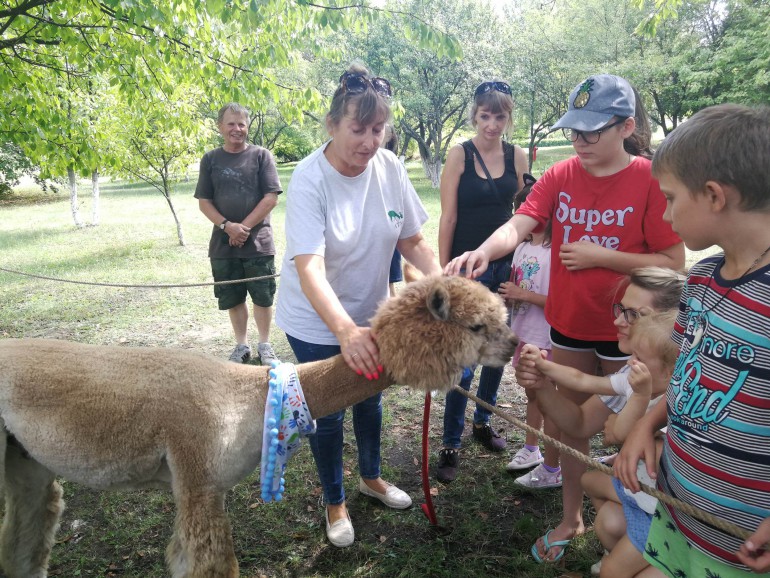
x: 129, y: 418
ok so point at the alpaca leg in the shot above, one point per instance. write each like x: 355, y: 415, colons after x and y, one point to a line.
x: 202, y: 544
x: 33, y: 505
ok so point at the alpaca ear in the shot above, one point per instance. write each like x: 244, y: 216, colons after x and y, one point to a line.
x: 438, y: 302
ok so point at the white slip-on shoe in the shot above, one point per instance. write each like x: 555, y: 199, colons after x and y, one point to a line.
x: 341, y: 533
x: 393, y: 497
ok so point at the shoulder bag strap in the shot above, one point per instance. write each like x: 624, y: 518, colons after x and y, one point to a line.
x: 483, y: 166
x: 486, y: 171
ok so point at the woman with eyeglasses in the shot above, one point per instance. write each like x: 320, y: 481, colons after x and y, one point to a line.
x: 349, y: 206
x: 607, y: 215
x: 478, y: 182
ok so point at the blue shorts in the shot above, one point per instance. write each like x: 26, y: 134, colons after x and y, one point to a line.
x: 637, y: 520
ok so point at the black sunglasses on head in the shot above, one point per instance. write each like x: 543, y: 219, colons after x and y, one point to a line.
x: 486, y: 87
x: 356, y: 83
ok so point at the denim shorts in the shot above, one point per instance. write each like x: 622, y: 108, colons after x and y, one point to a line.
x: 232, y: 295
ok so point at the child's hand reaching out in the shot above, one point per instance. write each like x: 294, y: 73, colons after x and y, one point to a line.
x: 528, y: 375
x: 639, y: 378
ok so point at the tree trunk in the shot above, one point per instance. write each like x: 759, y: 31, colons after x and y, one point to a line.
x: 95, y: 198
x: 74, y: 208
x: 432, y: 167
x: 167, y: 194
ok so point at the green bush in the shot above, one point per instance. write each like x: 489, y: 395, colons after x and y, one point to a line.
x: 294, y: 144
x: 13, y: 166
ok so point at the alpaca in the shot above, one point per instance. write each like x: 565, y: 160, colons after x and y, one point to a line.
x: 116, y: 418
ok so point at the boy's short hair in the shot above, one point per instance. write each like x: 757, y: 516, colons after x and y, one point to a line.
x: 654, y: 331
x: 727, y: 143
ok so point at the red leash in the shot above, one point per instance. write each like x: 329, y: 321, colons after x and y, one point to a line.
x: 427, y: 507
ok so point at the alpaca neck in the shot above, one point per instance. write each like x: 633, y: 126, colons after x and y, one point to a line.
x: 330, y: 385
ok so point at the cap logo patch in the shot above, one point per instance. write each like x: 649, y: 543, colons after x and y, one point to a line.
x: 583, y: 94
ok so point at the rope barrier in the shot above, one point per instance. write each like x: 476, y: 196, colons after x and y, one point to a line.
x: 665, y: 498
x: 129, y: 286
x: 688, y: 509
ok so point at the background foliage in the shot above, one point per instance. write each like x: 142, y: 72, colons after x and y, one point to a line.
x: 68, y: 68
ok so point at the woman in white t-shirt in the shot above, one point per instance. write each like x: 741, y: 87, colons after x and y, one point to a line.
x: 349, y: 206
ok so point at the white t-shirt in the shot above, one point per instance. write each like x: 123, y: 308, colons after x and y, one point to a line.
x: 619, y: 382
x: 354, y: 224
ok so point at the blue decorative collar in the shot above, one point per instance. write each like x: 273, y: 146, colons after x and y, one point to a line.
x: 287, y: 420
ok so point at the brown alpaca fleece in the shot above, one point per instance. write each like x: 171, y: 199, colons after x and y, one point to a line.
x: 124, y: 418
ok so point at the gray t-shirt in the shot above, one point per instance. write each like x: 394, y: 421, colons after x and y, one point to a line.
x: 236, y: 183
x: 354, y: 224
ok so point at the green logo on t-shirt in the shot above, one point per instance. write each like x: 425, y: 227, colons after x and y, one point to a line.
x: 397, y: 217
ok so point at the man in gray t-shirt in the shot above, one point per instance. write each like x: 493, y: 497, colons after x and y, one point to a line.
x: 238, y: 187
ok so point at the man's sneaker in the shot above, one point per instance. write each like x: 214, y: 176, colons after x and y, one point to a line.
x: 241, y: 353
x: 266, y: 353
x: 448, y: 462
x: 524, y: 459
x: 488, y: 437
x: 540, y: 478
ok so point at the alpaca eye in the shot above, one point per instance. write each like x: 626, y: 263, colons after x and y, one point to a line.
x: 476, y: 328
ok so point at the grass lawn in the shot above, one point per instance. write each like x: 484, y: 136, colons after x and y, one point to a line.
x: 487, y: 523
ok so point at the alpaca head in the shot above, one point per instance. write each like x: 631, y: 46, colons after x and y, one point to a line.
x: 437, y: 326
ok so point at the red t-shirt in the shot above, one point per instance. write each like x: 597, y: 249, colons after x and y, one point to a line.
x: 623, y: 212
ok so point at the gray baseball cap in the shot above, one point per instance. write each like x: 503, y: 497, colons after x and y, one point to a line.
x: 594, y: 102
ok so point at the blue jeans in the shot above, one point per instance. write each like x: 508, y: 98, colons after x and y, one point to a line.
x: 454, y: 409
x: 326, y: 443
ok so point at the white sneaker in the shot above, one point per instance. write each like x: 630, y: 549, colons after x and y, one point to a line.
x: 341, y: 533
x: 540, y: 478
x: 524, y: 459
x: 266, y: 353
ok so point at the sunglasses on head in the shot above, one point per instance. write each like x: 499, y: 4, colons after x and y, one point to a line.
x: 356, y: 83
x: 486, y: 87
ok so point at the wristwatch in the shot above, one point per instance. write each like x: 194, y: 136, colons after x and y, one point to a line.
x: 223, y: 224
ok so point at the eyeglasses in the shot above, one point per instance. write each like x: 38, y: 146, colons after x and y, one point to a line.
x: 591, y: 137
x: 630, y: 315
x: 486, y: 87
x: 355, y: 83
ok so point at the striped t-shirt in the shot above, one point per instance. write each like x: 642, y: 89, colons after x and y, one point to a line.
x: 716, y: 454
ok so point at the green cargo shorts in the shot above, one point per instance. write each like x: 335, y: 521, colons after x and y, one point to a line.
x: 262, y: 292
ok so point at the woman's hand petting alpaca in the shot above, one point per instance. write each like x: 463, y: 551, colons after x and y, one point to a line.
x: 360, y: 352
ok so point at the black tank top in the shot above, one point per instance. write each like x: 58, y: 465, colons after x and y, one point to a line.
x: 479, y: 210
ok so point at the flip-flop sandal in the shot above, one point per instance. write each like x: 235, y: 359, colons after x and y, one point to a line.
x: 548, y: 545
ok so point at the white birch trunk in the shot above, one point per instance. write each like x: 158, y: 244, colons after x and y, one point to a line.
x: 95, y: 198
x: 74, y: 205
x: 432, y: 168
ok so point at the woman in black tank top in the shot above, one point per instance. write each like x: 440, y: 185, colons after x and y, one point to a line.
x: 479, y: 180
